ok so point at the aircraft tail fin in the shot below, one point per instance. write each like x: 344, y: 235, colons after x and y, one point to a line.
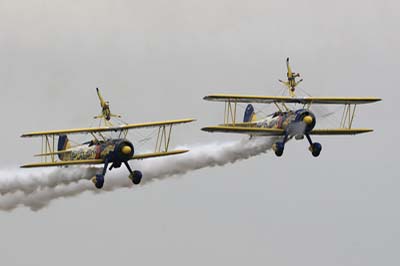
x: 249, y: 114
x: 63, y: 144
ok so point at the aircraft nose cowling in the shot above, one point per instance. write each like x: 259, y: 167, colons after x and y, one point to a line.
x: 123, y: 151
x: 306, y: 117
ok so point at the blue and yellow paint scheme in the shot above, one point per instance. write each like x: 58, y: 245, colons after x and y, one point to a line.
x: 102, y: 149
x: 285, y: 122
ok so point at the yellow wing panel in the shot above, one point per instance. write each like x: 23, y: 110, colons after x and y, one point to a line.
x: 157, y: 154
x: 287, y: 99
x: 63, y: 163
x: 240, y: 124
x: 280, y: 132
x: 107, y: 129
x: 246, y: 130
x: 339, y: 100
x: 100, y: 161
x: 340, y: 131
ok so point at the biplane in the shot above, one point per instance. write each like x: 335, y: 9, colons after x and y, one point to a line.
x: 287, y: 123
x: 102, y: 149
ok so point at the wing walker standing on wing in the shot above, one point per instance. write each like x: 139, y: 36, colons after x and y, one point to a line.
x: 287, y: 123
x: 102, y: 149
x: 291, y: 82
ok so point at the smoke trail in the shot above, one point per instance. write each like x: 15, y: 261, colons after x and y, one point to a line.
x: 36, y: 189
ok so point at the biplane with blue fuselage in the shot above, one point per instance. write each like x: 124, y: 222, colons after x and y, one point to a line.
x: 287, y: 123
x: 102, y: 149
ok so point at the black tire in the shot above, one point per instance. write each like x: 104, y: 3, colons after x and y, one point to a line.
x: 315, y: 153
x: 279, y: 147
x: 99, y: 181
x: 316, y: 149
x: 279, y: 153
x: 137, y: 177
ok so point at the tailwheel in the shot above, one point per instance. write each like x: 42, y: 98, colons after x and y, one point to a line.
x: 315, y: 149
x: 136, y: 177
x: 98, y: 181
x: 278, y: 148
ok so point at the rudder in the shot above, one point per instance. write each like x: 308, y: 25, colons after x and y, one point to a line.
x: 249, y: 114
x: 63, y: 144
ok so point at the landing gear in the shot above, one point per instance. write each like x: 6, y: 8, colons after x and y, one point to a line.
x: 315, y: 148
x: 98, y: 181
x: 135, y: 176
x: 278, y: 147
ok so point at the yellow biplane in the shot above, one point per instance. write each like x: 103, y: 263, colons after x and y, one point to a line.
x: 102, y: 149
x: 287, y: 122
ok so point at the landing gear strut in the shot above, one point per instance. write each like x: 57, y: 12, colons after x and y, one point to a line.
x: 278, y: 147
x: 98, y: 180
x: 315, y: 148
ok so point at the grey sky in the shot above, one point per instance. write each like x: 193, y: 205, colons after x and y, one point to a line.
x: 156, y: 60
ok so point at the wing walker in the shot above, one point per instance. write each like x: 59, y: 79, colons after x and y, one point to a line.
x: 287, y: 123
x: 102, y: 148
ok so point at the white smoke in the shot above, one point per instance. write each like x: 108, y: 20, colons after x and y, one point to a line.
x: 37, y: 188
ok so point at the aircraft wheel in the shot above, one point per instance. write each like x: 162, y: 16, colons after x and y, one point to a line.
x: 136, y: 177
x: 278, y: 148
x: 99, y: 181
x: 316, y: 149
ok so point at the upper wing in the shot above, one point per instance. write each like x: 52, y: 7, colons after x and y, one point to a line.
x: 260, y: 131
x: 107, y: 129
x: 287, y: 99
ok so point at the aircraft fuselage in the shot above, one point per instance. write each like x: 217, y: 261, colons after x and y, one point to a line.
x: 116, y: 150
x: 294, y: 122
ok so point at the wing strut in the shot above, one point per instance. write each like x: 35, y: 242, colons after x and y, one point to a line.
x: 230, y: 112
x: 48, y: 146
x: 163, y: 138
x: 348, y: 116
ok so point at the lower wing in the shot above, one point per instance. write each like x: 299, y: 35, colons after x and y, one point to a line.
x: 246, y: 130
x: 340, y: 131
x: 260, y: 131
x: 101, y: 161
x: 157, y: 154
